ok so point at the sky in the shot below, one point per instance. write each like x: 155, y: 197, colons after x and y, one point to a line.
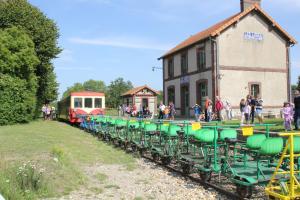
x: 107, y: 39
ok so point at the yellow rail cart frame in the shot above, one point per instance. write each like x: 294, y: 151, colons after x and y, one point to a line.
x: 290, y: 189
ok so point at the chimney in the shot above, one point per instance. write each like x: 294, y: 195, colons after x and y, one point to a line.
x: 248, y: 3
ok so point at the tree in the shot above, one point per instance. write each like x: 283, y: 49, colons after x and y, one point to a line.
x: 295, y: 87
x: 96, y: 86
x: 298, y: 83
x: 18, y: 82
x: 160, y: 96
x: 115, y: 90
x: 44, y: 33
x: 77, y: 87
x: 90, y: 85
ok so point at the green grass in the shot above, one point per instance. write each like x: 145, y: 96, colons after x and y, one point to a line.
x: 101, y: 177
x: 112, y: 186
x: 59, y: 148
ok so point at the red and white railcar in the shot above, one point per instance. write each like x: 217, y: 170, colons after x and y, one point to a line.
x: 81, y: 103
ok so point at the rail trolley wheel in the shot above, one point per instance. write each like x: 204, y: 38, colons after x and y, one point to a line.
x: 186, y: 168
x: 141, y: 152
x: 205, y: 176
x: 244, y: 191
x: 155, y: 156
x: 133, y: 148
x: 119, y: 143
x: 125, y: 145
x: 166, y: 160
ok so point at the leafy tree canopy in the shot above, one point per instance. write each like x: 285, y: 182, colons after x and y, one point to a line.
x: 90, y: 85
x: 44, y: 34
x: 18, y: 81
x: 115, y: 90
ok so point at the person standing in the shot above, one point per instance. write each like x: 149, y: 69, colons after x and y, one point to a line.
x: 228, y: 110
x: 287, y: 112
x: 259, y: 109
x: 44, y: 111
x: 208, y: 103
x: 172, y: 111
x: 252, y: 104
x: 167, y: 112
x: 209, y: 112
x: 247, y: 112
x: 219, y: 107
x: 242, y: 109
x: 297, y: 109
x: 161, y: 109
x: 197, y: 112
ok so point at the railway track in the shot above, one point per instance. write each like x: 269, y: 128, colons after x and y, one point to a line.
x: 172, y: 168
x: 206, y: 185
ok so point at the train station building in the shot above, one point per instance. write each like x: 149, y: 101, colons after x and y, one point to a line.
x: 142, y: 96
x: 248, y: 53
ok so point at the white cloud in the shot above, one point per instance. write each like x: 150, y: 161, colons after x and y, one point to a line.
x: 124, y: 42
x: 66, y: 56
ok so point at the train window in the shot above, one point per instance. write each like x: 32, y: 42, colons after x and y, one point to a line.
x: 88, y: 103
x: 77, y: 102
x: 98, y: 102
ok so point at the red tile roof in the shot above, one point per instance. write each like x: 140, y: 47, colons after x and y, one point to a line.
x: 221, y: 26
x: 87, y: 93
x: 137, y: 89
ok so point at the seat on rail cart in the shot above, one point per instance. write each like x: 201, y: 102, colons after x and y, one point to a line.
x: 255, y: 141
x: 188, y: 131
x: 164, y: 128
x: 296, y: 145
x: 150, y: 127
x: 271, y: 146
x: 121, y: 123
x: 133, y: 125
x: 228, y: 135
x: 173, y: 129
x: 205, y: 135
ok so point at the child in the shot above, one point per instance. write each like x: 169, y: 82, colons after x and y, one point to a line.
x: 242, y: 108
x: 197, y: 112
x: 287, y: 111
x: 166, y: 112
x: 209, y: 112
x: 247, y: 112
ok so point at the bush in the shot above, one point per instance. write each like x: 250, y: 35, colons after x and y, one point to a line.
x: 17, y: 104
x: 18, y: 82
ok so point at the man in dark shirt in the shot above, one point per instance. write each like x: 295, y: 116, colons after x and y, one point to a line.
x: 297, y: 109
x: 253, y: 103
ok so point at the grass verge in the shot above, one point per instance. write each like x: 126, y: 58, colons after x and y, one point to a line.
x: 61, y: 150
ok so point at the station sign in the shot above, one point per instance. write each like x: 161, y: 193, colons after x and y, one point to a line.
x: 253, y: 36
x: 184, y: 79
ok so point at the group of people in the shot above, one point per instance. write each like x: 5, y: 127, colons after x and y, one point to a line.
x: 223, y: 110
x: 49, y: 112
x: 132, y: 111
x: 166, y: 112
x: 250, y: 108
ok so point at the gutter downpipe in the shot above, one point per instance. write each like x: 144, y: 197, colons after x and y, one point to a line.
x: 216, y: 65
x: 289, y: 72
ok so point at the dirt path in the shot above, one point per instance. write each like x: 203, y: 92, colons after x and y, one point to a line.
x: 147, y: 181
